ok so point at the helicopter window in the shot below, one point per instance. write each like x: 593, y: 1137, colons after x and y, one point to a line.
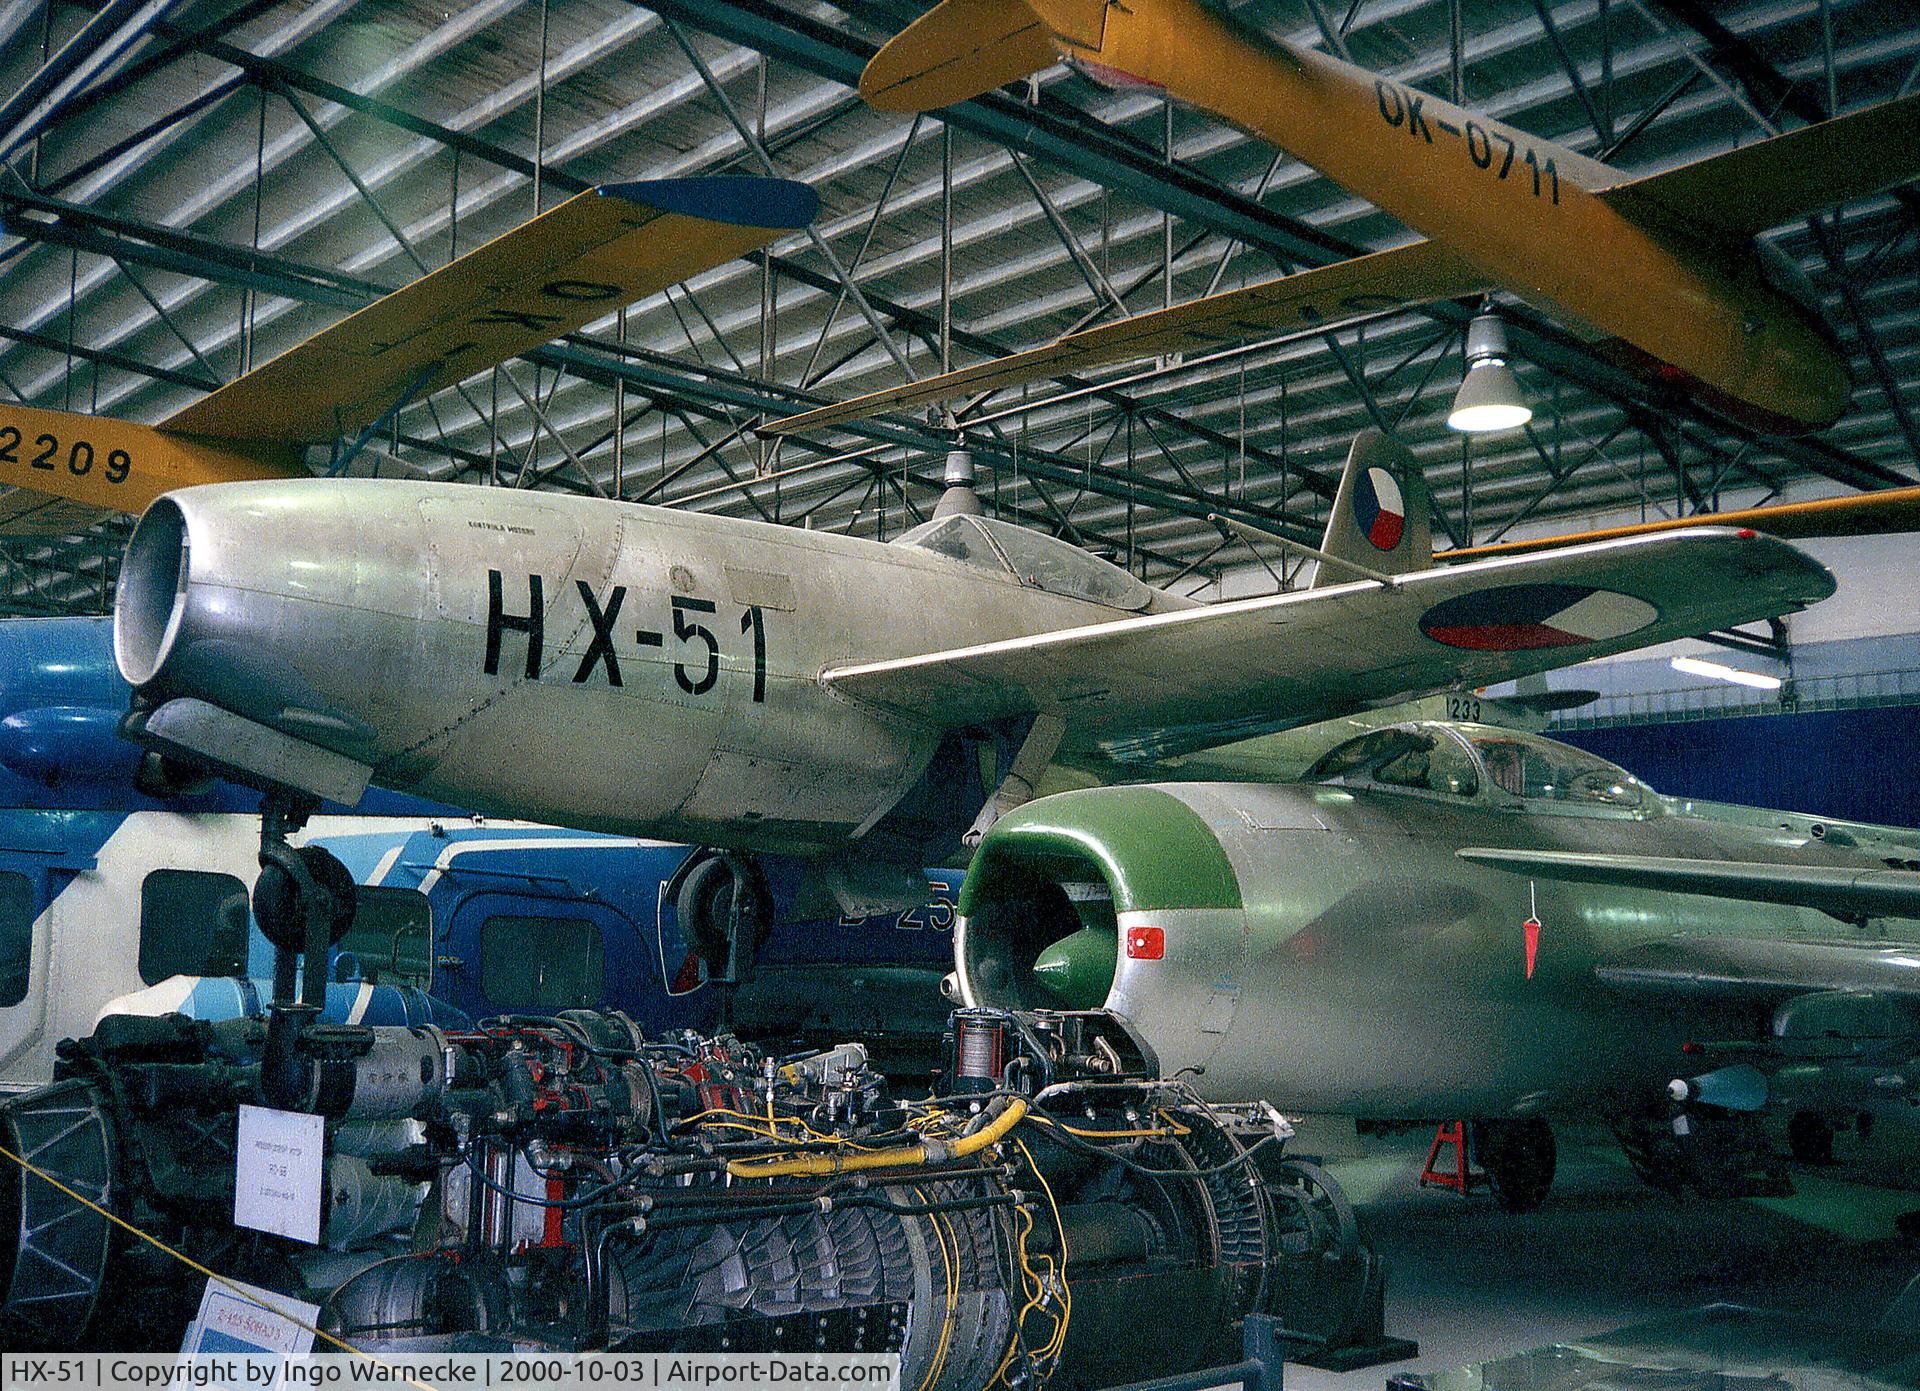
x: 1402, y: 758
x: 1548, y: 772
x: 542, y: 963
x: 192, y: 923
x: 957, y: 538
x: 16, y: 936
x: 1060, y: 567
x: 390, y: 941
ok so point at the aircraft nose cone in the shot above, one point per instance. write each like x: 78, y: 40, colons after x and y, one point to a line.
x: 1077, y: 970
x: 409, y: 628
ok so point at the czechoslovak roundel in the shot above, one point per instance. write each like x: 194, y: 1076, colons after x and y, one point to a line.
x: 1524, y: 617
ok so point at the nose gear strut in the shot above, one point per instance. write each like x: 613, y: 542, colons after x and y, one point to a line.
x: 303, y: 901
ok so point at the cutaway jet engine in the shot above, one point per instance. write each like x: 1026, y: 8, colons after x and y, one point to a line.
x: 1055, y: 1214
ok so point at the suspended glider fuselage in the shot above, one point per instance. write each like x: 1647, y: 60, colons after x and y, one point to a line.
x: 1690, y: 309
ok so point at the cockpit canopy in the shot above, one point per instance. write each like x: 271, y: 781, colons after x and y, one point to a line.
x: 1502, y: 766
x: 1036, y: 560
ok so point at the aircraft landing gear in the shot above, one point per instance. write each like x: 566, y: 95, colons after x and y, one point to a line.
x: 1519, y: 1159
x: 1706, y: 1150
x: 726, y: 915
x: 303, y: 901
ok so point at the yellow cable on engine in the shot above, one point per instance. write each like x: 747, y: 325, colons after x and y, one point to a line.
x: 1054, y: 1348
x: 950, y: 1260
x: 902, y: 1156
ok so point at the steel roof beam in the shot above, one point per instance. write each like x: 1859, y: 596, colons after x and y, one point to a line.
x: 925, y: 323
x: 105, y: 357
x: 721, y: 387
x: 1061, y: 132
x: 1051, y: 128
x: 51, y: 88
x: 282, y: 74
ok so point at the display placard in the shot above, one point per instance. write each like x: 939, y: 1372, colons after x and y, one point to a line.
x: 240, y: 1318
x: 279, y: 1173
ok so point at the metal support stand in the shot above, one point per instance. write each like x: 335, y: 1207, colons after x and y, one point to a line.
x: 1460, y: 1176
x: 1261, y: 1368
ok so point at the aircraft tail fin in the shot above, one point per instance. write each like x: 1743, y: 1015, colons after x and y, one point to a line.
x: 1382, y: 516
x: 956, y: 50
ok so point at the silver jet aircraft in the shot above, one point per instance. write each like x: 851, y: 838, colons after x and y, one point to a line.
x: 1446, y: 920
x: 765, y: 689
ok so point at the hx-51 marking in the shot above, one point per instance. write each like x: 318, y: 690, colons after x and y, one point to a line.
x: 1445, y: 920
x: 739, y: 684
x: 1663, y: 270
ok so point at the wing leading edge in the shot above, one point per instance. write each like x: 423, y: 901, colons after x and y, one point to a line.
x: 603, y: 248
x: 1843, y: 890
x: 1803, y: 171
x: 572, y: 264
x: 1308, y: 301
x: 1763, y: 970
x: 1189, y: 679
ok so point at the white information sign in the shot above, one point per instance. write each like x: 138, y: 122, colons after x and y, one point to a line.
x: 279, y: 1173
x: 239, y: 1318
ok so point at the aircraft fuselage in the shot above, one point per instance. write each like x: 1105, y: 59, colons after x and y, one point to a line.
x: 602, y: 665
x: 1323, y: 947
x: 1690, y: 307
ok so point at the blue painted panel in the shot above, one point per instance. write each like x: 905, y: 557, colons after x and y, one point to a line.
x: 61, y: 700
x: 743, y: 200
x: 1854, y: 764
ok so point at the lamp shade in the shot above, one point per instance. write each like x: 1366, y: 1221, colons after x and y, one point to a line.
x: 1489, y: 399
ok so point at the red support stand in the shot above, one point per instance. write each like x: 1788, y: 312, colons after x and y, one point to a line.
x: 1460, y: 1176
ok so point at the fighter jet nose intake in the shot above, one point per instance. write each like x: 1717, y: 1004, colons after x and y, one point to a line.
x: 747, y: 692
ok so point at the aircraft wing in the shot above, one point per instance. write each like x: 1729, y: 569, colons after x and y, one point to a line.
x: 24, y: 512
x: 1846, y: 891
x: 1149, y: 685
x: 1307, y: 301
x: 1769, y: 182
x: 567, y: 267
x: 1857, y: 514
x: 955, y: 51
x: 1762, y: 969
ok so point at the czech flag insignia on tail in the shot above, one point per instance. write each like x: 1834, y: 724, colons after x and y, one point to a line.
x: 1379, y: 509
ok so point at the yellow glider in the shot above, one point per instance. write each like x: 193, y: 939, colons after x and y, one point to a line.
x: 603, y: 248
x: 1664, y: 270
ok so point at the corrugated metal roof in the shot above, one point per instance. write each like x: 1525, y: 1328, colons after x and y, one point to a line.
x: 604, y: 91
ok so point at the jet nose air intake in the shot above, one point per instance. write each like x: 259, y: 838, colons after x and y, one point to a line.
x: 151, y: 599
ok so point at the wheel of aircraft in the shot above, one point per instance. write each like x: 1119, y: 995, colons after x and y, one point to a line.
x: 277, y: 898
x: 1518, y: 1157
x: 726, y: 912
